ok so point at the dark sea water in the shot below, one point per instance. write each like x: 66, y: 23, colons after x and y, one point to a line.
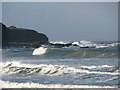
x: 83, y: 64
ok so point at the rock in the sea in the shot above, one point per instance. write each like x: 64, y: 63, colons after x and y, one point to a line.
x: 3, y: 35
x: 60, y: 45
x: 20, y: 37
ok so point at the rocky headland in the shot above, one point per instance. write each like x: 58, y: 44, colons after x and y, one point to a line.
x: 21, y: 37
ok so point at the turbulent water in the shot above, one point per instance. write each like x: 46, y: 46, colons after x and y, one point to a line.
x: 83, y: 64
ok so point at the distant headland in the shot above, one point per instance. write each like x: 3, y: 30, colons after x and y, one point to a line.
x: 21, y: 37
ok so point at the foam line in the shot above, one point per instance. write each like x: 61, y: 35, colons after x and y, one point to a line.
x: 7, y: 84
x: 48, y: 69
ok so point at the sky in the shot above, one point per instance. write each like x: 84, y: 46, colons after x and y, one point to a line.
x: 0, y: 12
x: 65, y: 21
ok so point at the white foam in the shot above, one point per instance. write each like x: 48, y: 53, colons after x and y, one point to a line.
x: 113, y: 44
x: 49, y: 69
x: 87, y: 44
x: 7, y: 84
x: 97, y: 67
x: 76, y: 43
x: 101, y: 46
x: 106, y: 45
x: 39, y: 51
x: 59, y: 42
x: 84, y: 43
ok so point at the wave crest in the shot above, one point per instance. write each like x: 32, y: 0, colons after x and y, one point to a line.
x: 39, y: 51
x: 84, y: 44
x: 51, y: 70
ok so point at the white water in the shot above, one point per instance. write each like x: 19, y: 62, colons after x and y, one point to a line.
x: 93, y: 67
x: 7, y: 84
x: 21, y: 69
x: 39, y: 51
x: 59, y: 42
x: 48, y: 69
x: 88, y: 44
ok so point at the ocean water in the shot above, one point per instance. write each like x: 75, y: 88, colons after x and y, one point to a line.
x: 83, y: 64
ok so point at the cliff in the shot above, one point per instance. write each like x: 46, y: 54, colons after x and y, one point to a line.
x: 20, y: 37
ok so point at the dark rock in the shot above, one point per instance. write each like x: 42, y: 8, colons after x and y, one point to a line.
x: 57, y: 45
x: 19, y: 37
x: 4, y: 38
x: 85, y: 47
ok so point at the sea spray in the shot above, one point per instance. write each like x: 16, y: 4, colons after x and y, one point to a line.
x: 39, y: 51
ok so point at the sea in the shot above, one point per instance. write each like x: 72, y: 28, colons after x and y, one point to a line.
x: 83, y: 64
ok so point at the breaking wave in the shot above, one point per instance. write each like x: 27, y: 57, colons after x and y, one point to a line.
x: 7, y: 84
x: 39, y: 51
x: 15, y: 67
x: 86, y: 44
x: 72, y: 52
x: 78, y: 49
x: 59, y: 42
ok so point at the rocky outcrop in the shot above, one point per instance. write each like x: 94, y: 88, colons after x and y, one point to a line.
x: 60, y: 45
x: 20, y: 37
x: 3, y: 35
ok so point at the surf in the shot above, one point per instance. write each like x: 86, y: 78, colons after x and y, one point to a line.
x: 15, y: 67
x: 8, y: 84
x: 75, y: 52
x: 39, y: 51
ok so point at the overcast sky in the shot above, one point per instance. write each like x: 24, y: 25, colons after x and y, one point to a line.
x: 65, y: 21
